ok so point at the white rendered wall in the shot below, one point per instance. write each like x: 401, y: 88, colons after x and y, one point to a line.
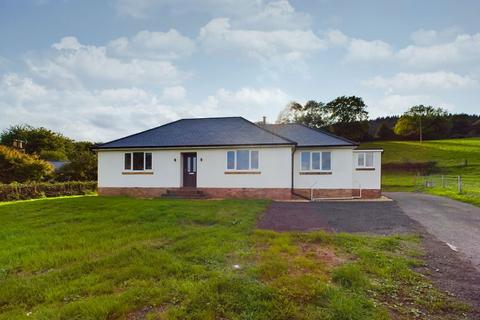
x: 166, y: 172
x: 341, y: 177
x: 370, y: 179
x: 274, y: 168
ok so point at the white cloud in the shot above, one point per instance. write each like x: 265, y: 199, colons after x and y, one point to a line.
x: 463, y: 49
x: 74, y: 65
x: 424, y: 37
x: 176, y: 93
x: 359, y: 49
x: 253, y: 103
x: 408, y: 82
x: 257, y: 14
x: 81, y: 114
x: 281, y: 46
x: 153, y: 45
x: 363, y: 50
x: 396, y: 104
x: 134, y: 8
x: 101, y: 115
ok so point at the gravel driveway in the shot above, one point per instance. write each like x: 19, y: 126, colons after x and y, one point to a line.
x: 450, y: 221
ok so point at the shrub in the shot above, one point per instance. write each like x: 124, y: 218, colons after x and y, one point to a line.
x: 18, y: 191
x: 21, y: 167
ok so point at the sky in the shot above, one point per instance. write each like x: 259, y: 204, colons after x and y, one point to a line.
x: 99, y: 70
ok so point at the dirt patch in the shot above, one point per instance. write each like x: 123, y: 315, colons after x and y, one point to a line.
x: 142, y: 314
x: 322, y: 254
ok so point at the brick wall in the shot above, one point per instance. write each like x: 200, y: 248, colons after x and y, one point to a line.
x: 246, y: 193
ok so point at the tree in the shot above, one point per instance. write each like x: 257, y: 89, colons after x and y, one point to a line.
x: 312, y: 114
x: 83, y: 167
x: 21, y: 167
x: 348, y: 117
x: 384, y: 132
x: 38, y: 141
x: 423, y: 122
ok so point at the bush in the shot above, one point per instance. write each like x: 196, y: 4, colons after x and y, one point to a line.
x: 18, y: 191
x: 21, y: 167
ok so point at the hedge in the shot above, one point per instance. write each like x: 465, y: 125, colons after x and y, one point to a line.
x: 24, y: 191
x: 425, y: 167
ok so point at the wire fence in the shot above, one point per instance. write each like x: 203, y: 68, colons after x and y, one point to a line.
x: 459, y: 184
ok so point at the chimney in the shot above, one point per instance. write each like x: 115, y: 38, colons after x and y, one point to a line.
x: 264, y: 120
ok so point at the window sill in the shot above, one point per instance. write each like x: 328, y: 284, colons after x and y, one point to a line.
x: 242, y: 172
x: 365, y: 169
x: 315, y: 172
x: 137, y: 172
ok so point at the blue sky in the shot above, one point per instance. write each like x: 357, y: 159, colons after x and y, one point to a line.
x: 98, y: 70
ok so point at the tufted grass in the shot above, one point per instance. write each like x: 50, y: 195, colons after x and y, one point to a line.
x: 114, y: 258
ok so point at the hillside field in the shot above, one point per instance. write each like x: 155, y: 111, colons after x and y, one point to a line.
x: 453, y: 157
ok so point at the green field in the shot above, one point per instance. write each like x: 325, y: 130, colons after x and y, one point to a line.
x: 119, y: 258
x: 454, y: 157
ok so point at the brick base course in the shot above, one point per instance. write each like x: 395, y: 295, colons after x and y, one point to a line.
x: 245, y: 193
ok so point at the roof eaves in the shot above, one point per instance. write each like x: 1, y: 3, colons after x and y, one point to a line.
x: 195, y: 146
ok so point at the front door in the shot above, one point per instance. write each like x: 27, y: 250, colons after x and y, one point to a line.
x: 190, y: 169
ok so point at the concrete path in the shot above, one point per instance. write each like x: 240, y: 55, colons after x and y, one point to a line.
x: 453, y: 222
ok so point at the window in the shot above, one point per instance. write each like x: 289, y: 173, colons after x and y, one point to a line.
x: 138, y: 161
x: 316, y: 161
x: 305, y: 161
x: 231, y: 160
x: 254, y: 160
x: 148, y: 161
x: 243, y: 163
x: 365, y: 160
x: 242, y: 160
x: 128, y: 161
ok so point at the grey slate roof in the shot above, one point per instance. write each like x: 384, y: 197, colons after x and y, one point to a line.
x: 308, y: 137
x: 229, y: 131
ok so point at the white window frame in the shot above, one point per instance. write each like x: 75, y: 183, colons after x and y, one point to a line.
x: 364, y: 155
x: 310, y: 169
x: 250, y: 151
x: 131, y: 161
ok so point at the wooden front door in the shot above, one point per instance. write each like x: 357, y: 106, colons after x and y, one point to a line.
x: 190, y: 169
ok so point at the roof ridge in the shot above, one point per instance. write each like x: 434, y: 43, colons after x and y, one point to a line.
x: 275, y: 134
x: 328, y: 133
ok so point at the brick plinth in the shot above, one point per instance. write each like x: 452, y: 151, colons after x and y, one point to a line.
x: 245, y: 193
x: 248, y: 193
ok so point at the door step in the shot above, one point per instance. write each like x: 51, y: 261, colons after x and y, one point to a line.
x: 184, y: 193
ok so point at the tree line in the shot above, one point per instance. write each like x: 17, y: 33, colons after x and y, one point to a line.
x: 347, y: 116
x: 40, y: 147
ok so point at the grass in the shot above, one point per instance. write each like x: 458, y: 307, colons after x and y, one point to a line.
x: 454, y: 157
x: 109, y: 258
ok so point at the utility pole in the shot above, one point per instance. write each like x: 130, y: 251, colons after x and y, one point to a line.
x: 421, y: 138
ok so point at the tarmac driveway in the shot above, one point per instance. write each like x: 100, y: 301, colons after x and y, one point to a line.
x: 453, y: 222
x: 380, y: 217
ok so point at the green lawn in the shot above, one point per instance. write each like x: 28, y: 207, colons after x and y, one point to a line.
x: 454, y: 157
x: 109, y: 258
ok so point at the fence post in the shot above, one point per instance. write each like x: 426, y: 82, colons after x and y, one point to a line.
x: 459, y: 184
x: 443, y: 181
